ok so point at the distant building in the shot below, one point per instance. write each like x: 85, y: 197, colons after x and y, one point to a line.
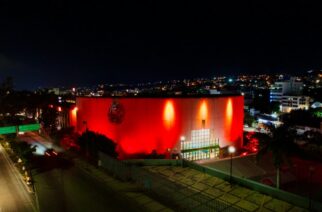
x: 223, y: 92
x: 290, y: 103
x: 55, y: 91
x: 289, y: 87
x: 59, y: 91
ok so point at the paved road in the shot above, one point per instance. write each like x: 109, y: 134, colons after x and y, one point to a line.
x: 72, y: 190
x: 61, y: 186
x: 14, y: 195
x: 32, y: 137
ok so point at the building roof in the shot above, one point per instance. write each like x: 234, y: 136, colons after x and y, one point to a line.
x: 164, y: 96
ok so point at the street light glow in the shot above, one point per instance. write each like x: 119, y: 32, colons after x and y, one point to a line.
x: 231, y: 149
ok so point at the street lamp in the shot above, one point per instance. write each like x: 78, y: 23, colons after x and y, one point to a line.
x: 182, y: 139
x: 231, y: 150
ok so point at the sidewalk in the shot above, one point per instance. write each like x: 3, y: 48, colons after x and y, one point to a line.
x: 130, y: 191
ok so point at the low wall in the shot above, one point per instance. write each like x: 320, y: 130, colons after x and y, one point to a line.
x: 154, y: 162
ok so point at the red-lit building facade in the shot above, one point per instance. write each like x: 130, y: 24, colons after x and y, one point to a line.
x: 194, y: 127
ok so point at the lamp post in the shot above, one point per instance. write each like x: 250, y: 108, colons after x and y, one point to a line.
x: 231, y: 150
x: 182, y: 139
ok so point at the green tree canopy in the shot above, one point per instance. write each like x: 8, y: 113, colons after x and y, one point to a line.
x: 302, y: 118
x: 280, y: 143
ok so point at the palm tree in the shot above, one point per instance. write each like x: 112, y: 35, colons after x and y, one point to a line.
x: 280, y: 143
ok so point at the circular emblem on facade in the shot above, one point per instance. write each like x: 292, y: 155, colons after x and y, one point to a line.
x: 116, y: 113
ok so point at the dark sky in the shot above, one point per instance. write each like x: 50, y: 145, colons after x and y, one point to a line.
x: 55, y: 43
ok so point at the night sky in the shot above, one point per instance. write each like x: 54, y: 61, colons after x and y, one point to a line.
x: 66, y: 43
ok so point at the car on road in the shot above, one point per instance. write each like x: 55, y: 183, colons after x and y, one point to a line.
x: 51, y: 153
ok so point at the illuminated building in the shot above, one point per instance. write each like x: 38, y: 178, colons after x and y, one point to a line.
x: 290, y: 103
x: 280, y: 88
x: 141, y: 125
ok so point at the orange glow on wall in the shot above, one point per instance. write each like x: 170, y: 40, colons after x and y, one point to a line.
x: 59, y: 109
x: 168, y: 114
x: 73, y: 117
x: 228, y: 118
x: 229, y: 110
x: 74, y: 111
x: 203, y: 112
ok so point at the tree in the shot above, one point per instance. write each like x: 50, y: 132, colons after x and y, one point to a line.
x: 6, y: 86
x: 49, y: 118
x: 248, y: 119
x: 280, y: 143
x: 313, y: 137
x: 261, y: 100
x: 8, y: 97
x: 25, y: 151
x: 13, y: 102
x: 274, y: 107
x: 22, y: 149
x: 31, y: 103
x: 91, y: 143
x: 302, y: 118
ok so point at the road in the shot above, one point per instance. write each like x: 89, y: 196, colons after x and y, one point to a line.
x: 61, y: 186
x: 14, y: 195
x: 32, y: 137
x: 72, y: 190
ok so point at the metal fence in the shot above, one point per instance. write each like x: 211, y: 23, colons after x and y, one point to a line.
x: 172, y: 194
x: 256, y: 186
